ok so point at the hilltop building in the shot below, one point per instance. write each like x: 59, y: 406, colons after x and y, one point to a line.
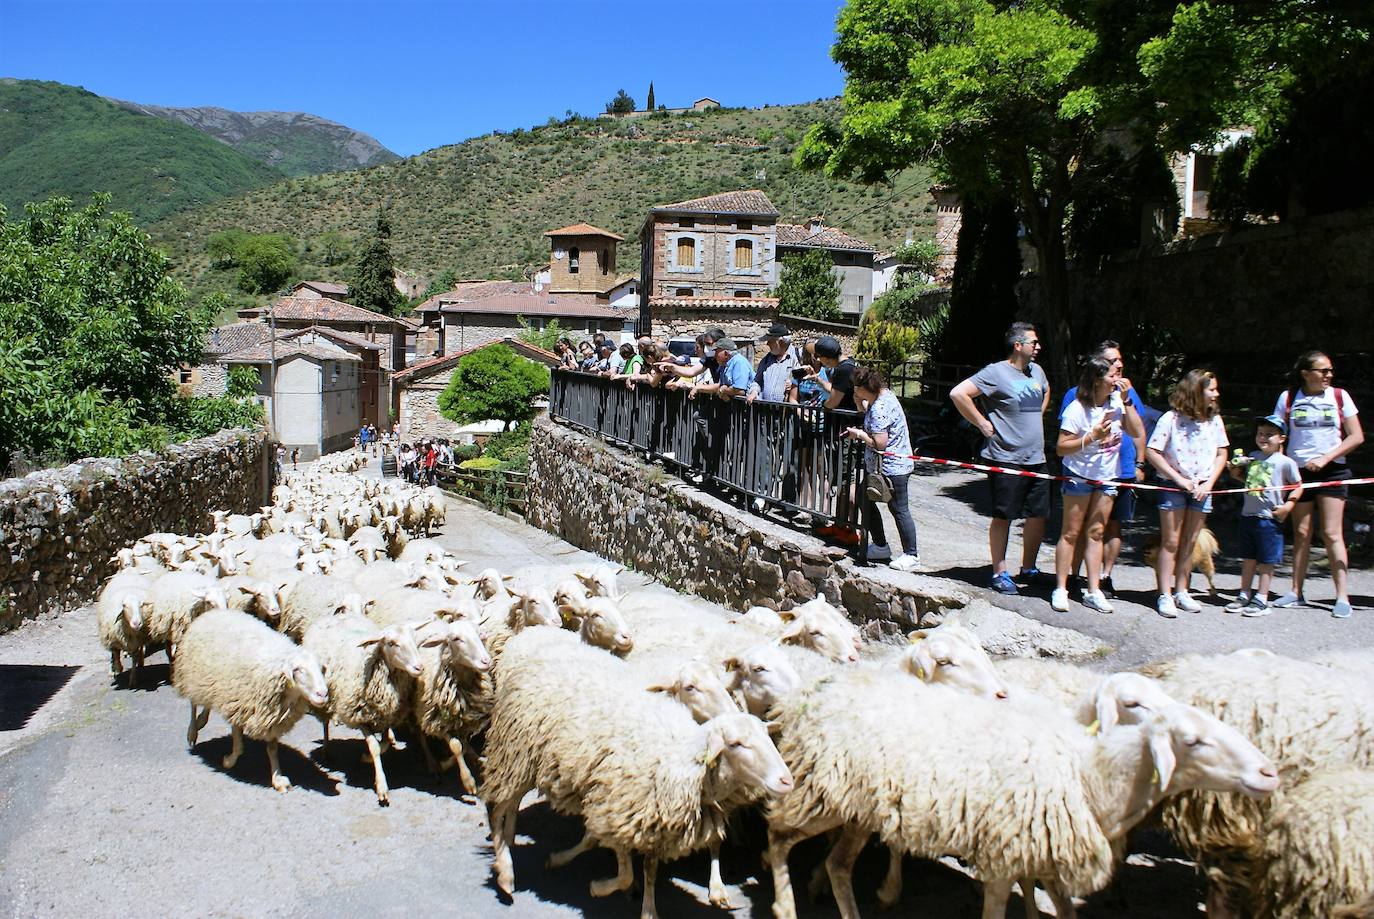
x: 701, y: 105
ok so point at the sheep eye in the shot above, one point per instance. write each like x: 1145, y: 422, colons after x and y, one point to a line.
x: 1193, y: 742
x: 760, y: 669
x: 738, y: 744
x: 689, y: 689
x: 945, y: 663
x: 1130, y: 704
x: 815, y: 633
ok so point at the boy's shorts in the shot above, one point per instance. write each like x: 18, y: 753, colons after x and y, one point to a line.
x: 1261, y: 538
x: 1124, y: 508
x: 1015, y: 496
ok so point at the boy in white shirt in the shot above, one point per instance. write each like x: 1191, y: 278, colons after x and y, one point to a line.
x: 1267, y: 505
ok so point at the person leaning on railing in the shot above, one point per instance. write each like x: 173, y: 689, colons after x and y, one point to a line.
x: 736, y: 373
x: 705, y: 343
x: 807, y: 392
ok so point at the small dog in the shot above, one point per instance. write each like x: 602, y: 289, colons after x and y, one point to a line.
x: 1203, y: 550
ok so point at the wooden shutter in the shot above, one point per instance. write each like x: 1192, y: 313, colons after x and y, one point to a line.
x: 686, y: 252
x: 744, y: 253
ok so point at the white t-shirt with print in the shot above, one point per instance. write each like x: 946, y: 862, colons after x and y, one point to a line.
x: 1190, y: 446
x: 1313, y: 426
x: 1097, y: 460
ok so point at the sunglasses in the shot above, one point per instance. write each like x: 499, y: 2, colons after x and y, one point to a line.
x: 1324, y: 371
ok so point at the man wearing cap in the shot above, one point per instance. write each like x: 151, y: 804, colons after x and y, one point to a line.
x: 774, y: 373
x: 735, y: 371
x: 708, y: 363
x: 839, y: 387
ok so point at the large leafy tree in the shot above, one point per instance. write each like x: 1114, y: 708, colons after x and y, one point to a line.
x: 493, y: 383
x: 373, y: 284
x: 623, y: 103
x: 808, y: 286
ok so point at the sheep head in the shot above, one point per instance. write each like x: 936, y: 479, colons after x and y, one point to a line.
x: 396, y: 643
x: 764, y: 676
x: 952, y: 655
x: 1192, y: 749
x: 490, y: 583
x: 1127, y: 698
x: 306, y: 677
x: 264, y: 595
x: 698, y: 686
x: 821, y: 634
x: 603, y: 626
x: 600, y: 580
x: 131, y: 608
x: 536, y: 607
x: 741, y: 753
x: 463, y: 643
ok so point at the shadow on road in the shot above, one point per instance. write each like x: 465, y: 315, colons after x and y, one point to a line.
x: 25, y: 688
x: 252, y: 769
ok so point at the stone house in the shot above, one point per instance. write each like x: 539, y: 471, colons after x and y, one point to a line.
x: 583, y: 260
x: 291, y: 313
x: 211, y: 377
x: 317, y: 289
x: 418, y: 388
x: 851, y: 256
x: 463, y: 323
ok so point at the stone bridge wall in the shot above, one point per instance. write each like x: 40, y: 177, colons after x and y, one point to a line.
x: 606, y: 501
x: 60, y: 527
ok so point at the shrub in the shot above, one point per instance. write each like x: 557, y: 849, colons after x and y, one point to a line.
x: 482, y: 462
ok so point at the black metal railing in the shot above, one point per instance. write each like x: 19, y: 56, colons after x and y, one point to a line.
x: 790, y: 457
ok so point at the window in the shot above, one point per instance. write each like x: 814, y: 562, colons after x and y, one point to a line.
x: 686, y: 222
x: 685, y: 292
x: 603, y: 260
x: 686, y: 252
x: 573, y: 254
x: 744, y: 224
x: 184, y: 376
x: 743, y: 294
x: 593, y: 326
x: 861, y: 303
x: 744, y: 253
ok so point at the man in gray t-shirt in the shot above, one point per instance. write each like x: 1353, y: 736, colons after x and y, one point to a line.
x: 1016, y: 394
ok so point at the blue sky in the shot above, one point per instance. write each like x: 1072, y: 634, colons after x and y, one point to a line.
x: 418, y: 75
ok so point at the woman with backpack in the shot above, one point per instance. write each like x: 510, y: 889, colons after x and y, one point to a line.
x: 1323, y: 428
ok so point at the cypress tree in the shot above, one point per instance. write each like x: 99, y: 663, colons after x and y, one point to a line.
x: 373, y: 284
x: 649, y: 106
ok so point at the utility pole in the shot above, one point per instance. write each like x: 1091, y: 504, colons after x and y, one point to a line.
x: 272, y: 327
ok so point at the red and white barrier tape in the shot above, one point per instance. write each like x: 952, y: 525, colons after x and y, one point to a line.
x: 1027, y: 474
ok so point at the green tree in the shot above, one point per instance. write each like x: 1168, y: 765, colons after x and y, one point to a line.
x: 544, y: 338
x: 808, y: 286
x: 882, y: 341
x: 649, y: 105
x: 493, y: 383
x: 243, y: 382
x: 373, y: 284
x: 265, y: 262
x: 335, y: 247
x: 443, y: 281
x: 621, y: 104
x: 223, y: 247
x: 922, y: 255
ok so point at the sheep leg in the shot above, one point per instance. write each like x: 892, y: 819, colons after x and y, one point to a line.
x: 280, y: 782
x: 1027, y: 886
x: 839, y: 865
x: 501, y: 818
x: 430, y: 764
x: 648, y: 910
x: 194, y: 729
x: 720, y: 897
x: 891, y: 891
x: 781, y: 839
x: 116, y: 662
x: 1063, y: 903
x: 204, y: 718
x: 237, y: 750
x: 624, y: 878
x: 136, y: 667
x: 464, y: 773
x: 563, y: 856
x: 374, y: 749
x: 996, y: 893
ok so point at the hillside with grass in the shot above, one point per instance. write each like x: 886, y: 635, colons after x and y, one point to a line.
x: 293, y: 143
x: 479, y: 208
x: 63, y: 140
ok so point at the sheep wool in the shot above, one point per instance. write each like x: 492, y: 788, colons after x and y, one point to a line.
x: 364, y: 693
x: 175, y: 599
x: 1317, y: 851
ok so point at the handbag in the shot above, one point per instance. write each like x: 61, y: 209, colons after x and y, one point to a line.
x: 878, y: 488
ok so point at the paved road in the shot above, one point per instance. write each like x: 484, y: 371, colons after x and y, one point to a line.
x: 104, y: 812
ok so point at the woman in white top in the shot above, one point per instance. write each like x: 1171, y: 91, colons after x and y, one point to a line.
x: 1323, y: 427
x: 1090, y: 434
x: 1188, y: 450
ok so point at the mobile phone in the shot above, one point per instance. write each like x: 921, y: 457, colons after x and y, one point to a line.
x: 799, y: 373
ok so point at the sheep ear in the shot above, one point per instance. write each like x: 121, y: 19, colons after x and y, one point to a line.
x: 1107, y: 710
x: 918, y: 635
x: 370, y: 640
x: 793, y: 631
x: 715, y: 746
x: 1162, y: 750
x: 434, y: 641
x: 774, y: 728
x: 731, y: 664
x: 508, y: 578
x: 787, y: 615
x: 658, y: 688
x: 584, y: 578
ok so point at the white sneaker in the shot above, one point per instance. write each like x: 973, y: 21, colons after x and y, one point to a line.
x: 905, y: 562
x: 877, y: 553
x: 1165, y: 607
x: 1184, y: 601
x: 1287, y: 600
x: 1097, y: 602
x: 1059, y: 599
x: 1238, y: 604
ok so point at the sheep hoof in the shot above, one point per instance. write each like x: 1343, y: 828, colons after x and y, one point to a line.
x: 191, y: 735
x: 281, y: 783
x: 721, y: 899
x: 383, y: 800
x: 604, y: 887
x: 229, y: 761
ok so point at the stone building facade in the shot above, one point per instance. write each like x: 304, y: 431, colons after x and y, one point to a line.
x: 949, y: 216
x: 583, y: 260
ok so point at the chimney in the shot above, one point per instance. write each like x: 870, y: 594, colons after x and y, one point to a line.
x: 814, y: 225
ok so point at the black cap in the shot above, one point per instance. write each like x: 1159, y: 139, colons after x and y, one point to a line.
x: 776, y: 330
x: 828, y: 346
x: 715, y: 333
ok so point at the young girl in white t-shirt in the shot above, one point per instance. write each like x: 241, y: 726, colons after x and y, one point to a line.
x: 1188, y: 449
x: 1090, y: 433
x: 1323, y: 427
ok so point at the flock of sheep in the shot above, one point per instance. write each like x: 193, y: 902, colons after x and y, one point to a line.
x: 657, y: 723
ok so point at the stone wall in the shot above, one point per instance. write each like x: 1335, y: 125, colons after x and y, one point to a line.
x: 60, y: 527
x: 696, y: 543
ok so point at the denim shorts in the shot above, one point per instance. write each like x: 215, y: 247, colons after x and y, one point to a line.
x: 1261, y: 538
x: 1075, y: 488
x: 1177, y: 501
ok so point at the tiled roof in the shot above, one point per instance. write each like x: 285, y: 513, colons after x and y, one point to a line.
x: 474, y: 290
x: 583, y: 229
x: 715, y: 303
x: 356, y: 341
x: 532, y: 304
x: 439, y: 364
x: 800, y: 236
x: 731, y: 202
x: 262, y: 354
x: 319, y: 309
x: 229, y: 338
x: 328, y: 288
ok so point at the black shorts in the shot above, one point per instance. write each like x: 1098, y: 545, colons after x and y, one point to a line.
x: 1123, y: 509
x: 1334, y: 472
x: 1016, y: 496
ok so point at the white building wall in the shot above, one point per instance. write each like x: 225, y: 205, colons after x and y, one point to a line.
x: 297, y: 394
x: 341, y: 415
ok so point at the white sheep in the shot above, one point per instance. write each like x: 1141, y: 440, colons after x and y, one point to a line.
x: 490, y: 584
x: 1304, y: 715
x: 385, y: 574
x: 257, y: 598
x: 598, y: 578
x: 1317, y: 848
x: 369, y: 543
x: 315, y: 597
x: 638, y: 769
x: 936, y: 771
x: 258, y: 680
x: 453, y: 694
x: 409, y: 605
x: 174, y: 600
x: 120, y: 610
x: 371, y: 674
